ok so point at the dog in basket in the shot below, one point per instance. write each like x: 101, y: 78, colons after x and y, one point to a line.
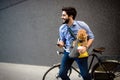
x: 81, y: 37
x: 81, y: 41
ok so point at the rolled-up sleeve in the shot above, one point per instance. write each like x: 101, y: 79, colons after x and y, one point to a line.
x: 88, y: 30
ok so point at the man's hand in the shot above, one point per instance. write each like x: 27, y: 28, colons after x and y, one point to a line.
x: 82, y: 49
x: 60, y: 44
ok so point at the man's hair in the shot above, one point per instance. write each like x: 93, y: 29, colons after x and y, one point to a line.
x: 70, y: 11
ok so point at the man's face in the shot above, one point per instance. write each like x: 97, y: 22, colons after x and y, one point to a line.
x: 65, y: 17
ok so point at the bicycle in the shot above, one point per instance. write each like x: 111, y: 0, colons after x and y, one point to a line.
x: 108, y: 69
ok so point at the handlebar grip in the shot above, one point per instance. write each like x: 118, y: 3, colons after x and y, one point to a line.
x: 58, y: 44
x: 59, y: 52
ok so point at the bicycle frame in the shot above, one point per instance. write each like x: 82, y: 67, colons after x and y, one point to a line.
x: 91, y: 62
x: 93, y: 57
x: 100, y: 64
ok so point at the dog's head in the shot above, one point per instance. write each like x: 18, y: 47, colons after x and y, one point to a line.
x: 82, y: 35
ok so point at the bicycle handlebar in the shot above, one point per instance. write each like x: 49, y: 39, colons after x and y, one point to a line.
x: 96, y: 50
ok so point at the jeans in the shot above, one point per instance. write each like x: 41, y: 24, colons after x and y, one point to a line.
x: 66, y: 64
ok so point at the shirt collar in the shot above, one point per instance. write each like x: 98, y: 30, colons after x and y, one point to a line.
x: 74, y: 23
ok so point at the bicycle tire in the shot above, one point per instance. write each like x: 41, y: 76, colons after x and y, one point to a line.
x: 52, y: 73
x: 107, y: 70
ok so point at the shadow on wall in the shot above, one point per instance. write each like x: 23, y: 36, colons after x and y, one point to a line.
x: 7, y: 4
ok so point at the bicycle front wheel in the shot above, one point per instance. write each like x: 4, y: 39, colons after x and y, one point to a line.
x: 107, y: 70
x: 52, y: 73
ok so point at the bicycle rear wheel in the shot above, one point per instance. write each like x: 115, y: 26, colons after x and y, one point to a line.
x: 52, y: 73
x: 107, y: 70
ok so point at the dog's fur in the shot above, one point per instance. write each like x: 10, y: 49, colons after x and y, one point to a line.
x: 82, y: 36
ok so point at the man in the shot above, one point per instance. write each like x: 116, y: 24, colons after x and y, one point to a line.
x: 68, y: 17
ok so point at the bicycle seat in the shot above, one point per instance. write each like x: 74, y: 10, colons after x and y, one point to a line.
x: 99, y: 50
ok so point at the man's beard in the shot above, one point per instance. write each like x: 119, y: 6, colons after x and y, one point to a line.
x: 66, y: 21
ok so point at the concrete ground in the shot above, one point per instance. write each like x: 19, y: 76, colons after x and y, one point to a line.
x: 12, y: 71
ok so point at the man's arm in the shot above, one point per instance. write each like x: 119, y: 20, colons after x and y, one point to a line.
x: 90, y: 41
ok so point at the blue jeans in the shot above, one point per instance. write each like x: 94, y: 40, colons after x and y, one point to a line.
x: 66, y: 64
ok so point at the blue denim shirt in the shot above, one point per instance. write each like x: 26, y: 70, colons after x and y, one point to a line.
x: 66, y: 37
